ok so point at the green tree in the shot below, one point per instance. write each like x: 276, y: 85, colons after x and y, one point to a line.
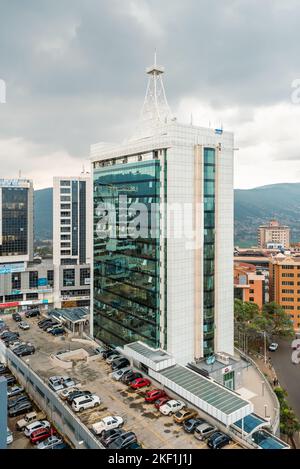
x: 279, y: 322
x: 289, y: 424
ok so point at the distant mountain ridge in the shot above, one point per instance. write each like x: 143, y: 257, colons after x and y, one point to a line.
x: 252, y: 207
x: 43, y: 214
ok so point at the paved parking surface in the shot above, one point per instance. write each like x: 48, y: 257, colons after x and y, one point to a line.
x: 153, y: 429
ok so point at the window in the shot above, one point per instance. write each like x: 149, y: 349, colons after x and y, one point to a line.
x: 16, y: 281
x: 251, y: 282
x: 65, y: 252
x: 289, y: 283
x: 13, y: 298
x: 287, y: 299
x: 33, y: 279
x: 287, y: 275
x: 288, y: 291
x: 65, y: 229
x: 65, y: 198
x: 69, y: 278
x: 65, y: 183
x: 85, y: 276
x: 65, y: 214
x: 251, y: 298
x: 68, y: 261
x: 251, y: 291
x: 32, y: 296
x: 65, y: 206
x: 50, y: 277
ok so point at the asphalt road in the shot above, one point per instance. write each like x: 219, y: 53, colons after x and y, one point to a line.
x: 287, y: 373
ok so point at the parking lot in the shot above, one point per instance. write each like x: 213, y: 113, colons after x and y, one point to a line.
x: 153, y: 429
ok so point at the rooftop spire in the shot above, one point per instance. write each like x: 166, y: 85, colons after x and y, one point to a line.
x: 155, y: 111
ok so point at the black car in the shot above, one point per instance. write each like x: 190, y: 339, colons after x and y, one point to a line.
x: 9, y: 340
x: 32, y: 313
x: 75, y: 394
x: 8, y: 334
x: 49, y: 324
x: 123, y: 441
x: 108, y: 436
x: 61, y: 446
x: 191, y: 424
x: 23, y: 351
x: 10, y: 379
x: 16, y: 317
x: 14, y: 401
x: 3, y: 369
x: 218, y: 440
x: 108, y: 353
x: 131, y: 377
x: 119, y: 363
x: 58, y: 331
x: 21, y: 408
x: 42, y: 321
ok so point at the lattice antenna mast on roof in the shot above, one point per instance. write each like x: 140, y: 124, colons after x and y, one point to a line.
x: 156, y: 107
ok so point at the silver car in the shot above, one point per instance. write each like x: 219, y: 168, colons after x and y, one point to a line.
x: 117, y: 375
x: 204, y: 431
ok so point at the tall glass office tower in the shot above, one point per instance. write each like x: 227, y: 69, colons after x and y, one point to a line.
x: 16, y: 220
x: 172, y: 289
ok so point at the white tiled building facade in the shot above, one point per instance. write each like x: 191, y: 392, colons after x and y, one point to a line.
x: 72, y: 240
x: 181, y: 151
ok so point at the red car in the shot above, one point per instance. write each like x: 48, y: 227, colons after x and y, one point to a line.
x: 41, y: 434
x: 155, y: 394
x: 140, y: 383
x: 161, y: 401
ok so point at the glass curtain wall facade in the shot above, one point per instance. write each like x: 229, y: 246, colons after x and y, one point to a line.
x: 209, y: 171
x: 14, y: 222
x: 126, y: 267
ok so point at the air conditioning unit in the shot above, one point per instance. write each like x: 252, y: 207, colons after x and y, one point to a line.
x: 223, y: 358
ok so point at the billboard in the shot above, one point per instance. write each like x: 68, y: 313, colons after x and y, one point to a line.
x: 12, y: 268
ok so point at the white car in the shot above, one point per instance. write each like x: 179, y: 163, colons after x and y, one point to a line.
x: 108, y: 423
x: 85, y: 402
x: 64, y: 394
x: 112, y: 358
x: 50, y: 442
x: 171, y: 407
x: 24, y: 325
x: 10, y: 437
x: 117, y: 375
x: 32, y: 427
x: 273, y: 347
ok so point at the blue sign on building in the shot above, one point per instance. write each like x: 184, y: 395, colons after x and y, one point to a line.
x: 42, y: 282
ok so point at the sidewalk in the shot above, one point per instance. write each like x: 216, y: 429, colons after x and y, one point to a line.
x: 255, y: 390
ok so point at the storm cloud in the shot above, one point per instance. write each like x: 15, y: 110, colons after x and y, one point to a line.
x: 74, y: 73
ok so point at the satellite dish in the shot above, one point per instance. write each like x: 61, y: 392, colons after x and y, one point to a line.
x: 211, y: 360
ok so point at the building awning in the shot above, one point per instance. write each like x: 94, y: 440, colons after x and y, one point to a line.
x: 250, y: 424
x: 209, y: 396
x: 156, y: 359
x: 73, y: 315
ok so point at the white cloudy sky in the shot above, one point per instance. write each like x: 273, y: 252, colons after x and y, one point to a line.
x: 74, y: 71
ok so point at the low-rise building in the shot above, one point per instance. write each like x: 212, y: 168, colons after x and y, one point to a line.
x: 25, y: 285
x: 249, y: 285
x: 273, y: 235
x: 285, y: 285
